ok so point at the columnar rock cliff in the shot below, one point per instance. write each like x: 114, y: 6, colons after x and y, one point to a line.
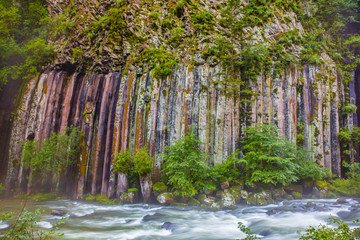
x: 117, y: 111
x: 147, y: 72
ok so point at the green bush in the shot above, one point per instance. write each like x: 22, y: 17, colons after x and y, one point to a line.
x: 326, y: 232
x: 143, y: 163
x: 54, y: 154
x: 123, y: 162
x: 24, y: 226
x: 159, y: 187
x: 185, y: 168
x: 229, y: 170
x: 271, y: 159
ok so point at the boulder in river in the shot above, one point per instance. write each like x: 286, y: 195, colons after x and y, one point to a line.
x: 153, y: 217
x: 169, y: 226
x: 58, y: 212
x: 341, y: 201
x: 194, y: 202
x: 265, y: 233
x: 228, y: 200
x: 166, y: 198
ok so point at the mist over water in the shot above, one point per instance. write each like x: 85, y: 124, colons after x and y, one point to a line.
x: 92, y: 221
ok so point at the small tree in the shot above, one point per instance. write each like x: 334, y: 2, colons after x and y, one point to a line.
x: 53, y: 155
x: 185, y: 167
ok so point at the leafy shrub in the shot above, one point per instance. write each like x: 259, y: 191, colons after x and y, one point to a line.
x: 162, y: 62
x: 325, y: 232
x: 349, y: 186
x: 143, y: 163
x: 123, y: 162
x: 24, y: 226
x: 230, y: 169
x: 184, y: 167
x: 271, y: 159
x: 159, y: 187
x: 54, y: 154
x: 349, y: 108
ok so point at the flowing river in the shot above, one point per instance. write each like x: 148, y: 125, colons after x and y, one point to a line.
x: 143, y: 221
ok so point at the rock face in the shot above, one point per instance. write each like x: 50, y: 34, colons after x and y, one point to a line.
x: 127, y: 107
x: 117, y: 111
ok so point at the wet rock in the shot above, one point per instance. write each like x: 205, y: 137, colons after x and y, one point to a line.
x: 166, y: 198
x: 178, y: 204
x: 153, y: 217
x: 169, y: 226
x: 129, y: 198
x: 279, y: 193
x: 341, y: 201
x: 251, y: 201
x: 309, y: 204
x: 321, y: 207
x: 297, y: 195
x: 201, y: 198
x: 244, y: 194
x: 228, y: 200
x: 344, y: 214
x: 235, y: 191
x: 265, y: 233
x: 58, y: 212
x: 225, y: 185
x: 299, y: 207
x: 273, y: 211
x: 211, y: 204
x: 294, y: 188
x: 194, y: 202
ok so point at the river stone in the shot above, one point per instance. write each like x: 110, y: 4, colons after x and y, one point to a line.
x: 228, y: 200
x: 279, y: 193
x: 251, y: 201
x: 207, y: 202
x: 152, y: 217
x: 341, y: 201
x: 273, y: 211
x: 194, y: 202
x: 244, y: 194
x: 235, y: 191
x: 343, y: 214
x: 178, y: 204
x: 128, y: 198
x: 58, y: 212
x: 166, y: 198
x: 211, y: 203
x: 265, y: 233
x: 169, y: 226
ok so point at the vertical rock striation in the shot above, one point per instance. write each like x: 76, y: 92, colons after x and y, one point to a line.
x: 131, y: 109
